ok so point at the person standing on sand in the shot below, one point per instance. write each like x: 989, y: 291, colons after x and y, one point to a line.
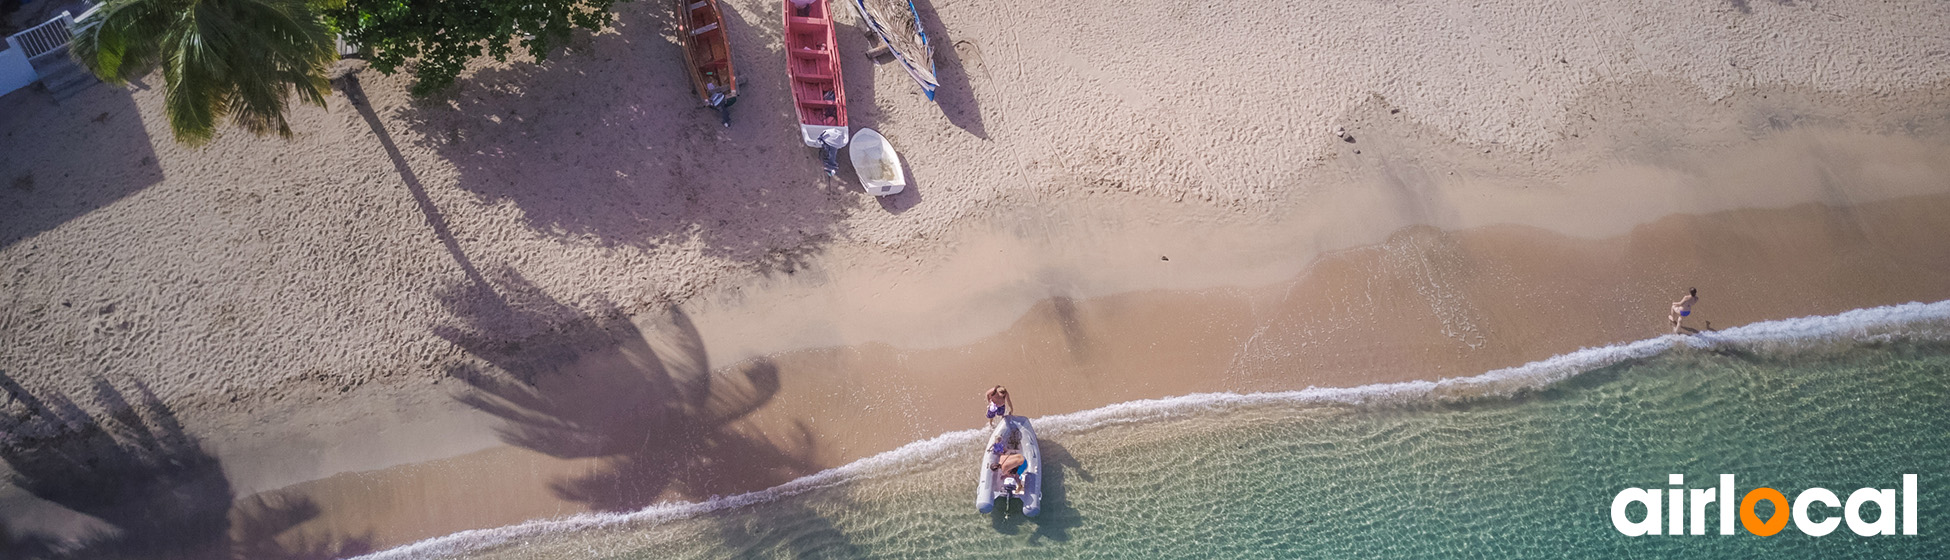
x: 999, y: 403
x: 1682, y: 308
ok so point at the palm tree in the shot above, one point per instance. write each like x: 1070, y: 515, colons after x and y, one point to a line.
x: 241, y: 59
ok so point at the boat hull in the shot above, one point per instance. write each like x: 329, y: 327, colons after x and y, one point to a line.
x: 813, y: 66
x: 707, y: 50
x: 812, y: 134
x: 898, y: 24
x: 876, y: 162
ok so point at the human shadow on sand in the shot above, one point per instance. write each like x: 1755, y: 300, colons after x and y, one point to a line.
x: 1057, y: 518
x: 605, y: 144
x: 638, y: 394
x: 151, y: 489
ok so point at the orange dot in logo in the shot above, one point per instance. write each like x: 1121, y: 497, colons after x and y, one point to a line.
x: 1752, y: 522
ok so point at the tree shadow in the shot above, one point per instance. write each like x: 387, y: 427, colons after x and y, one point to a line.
x: 64, y: 161
x: 356, y: 94
x: 131, y: 466
x: 25, y: 545
x: 606, y: 146
x: 1057, y: 518
x: 956, y: 96
x: 259, y: 527
x: 643, y: 401
x: 154, y: 490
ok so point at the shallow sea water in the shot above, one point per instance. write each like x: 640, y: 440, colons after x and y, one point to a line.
x: 1527, y: 474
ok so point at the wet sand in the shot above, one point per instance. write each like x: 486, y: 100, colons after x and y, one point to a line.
x: 1425, y: 304
x: 457, y: 313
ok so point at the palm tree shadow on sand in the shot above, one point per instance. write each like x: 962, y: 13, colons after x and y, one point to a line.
x: 637, y: 394
x: 151, y: 489
x: 605, y: 144
x: 1057, y: 518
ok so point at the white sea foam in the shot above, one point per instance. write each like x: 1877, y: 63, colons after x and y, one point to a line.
x: 1929, y: 321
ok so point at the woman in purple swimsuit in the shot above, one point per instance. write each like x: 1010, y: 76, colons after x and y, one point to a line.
x: 999, y: 403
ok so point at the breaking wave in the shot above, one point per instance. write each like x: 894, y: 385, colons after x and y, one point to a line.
x: 1912, y: 321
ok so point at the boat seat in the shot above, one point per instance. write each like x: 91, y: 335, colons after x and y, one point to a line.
x: 700, y: 4
x: 705, y: 29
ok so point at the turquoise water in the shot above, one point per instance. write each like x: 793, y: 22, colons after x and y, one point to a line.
x: 1523, y: 473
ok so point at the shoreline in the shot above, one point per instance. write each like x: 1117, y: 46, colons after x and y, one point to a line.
x: 992, y: 271
x: 1068, y: 355
x: 1506, y: 382
x: 323, y: 318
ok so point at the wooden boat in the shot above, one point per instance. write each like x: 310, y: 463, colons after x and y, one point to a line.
x: 993, y: 487
x: 707, y: 54
x: 876, y: 162
x: 898, y: 25
x: 813, y: 63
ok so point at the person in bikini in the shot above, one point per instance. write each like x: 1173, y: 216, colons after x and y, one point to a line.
x: 1683, y: 308
x: 999, y: 403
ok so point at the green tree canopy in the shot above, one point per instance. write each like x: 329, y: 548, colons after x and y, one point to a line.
x: 442, y: 35
x: 242, y: 59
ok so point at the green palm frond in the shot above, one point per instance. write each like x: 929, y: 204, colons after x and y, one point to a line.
x: 237, y: 59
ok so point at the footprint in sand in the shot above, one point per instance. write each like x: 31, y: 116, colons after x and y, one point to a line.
x: 969, y: 51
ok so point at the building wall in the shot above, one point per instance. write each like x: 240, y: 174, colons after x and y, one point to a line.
x: 15, y: 72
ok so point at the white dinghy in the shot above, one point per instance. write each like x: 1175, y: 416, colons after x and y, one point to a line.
x: 1012, y: 435
x: 877, y: 163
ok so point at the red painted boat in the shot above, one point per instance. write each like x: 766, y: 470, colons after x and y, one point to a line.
x: 707, y: 54
x: 812, y: 60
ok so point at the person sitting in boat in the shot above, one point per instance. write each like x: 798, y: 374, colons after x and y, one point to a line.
x: 1015, y: 443
x: 1011, y: 465
x: 802, y: 8
x: 1011, y: 462
x: 999, y: 403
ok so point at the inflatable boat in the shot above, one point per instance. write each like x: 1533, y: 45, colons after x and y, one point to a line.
x: 997, y: 486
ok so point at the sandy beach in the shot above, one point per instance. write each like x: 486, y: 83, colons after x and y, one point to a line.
x: 561, y: 287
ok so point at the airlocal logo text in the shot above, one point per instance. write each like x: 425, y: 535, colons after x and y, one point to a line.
x: 1680, y: 519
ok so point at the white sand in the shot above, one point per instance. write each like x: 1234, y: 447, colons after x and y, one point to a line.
x: 290, y: 294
